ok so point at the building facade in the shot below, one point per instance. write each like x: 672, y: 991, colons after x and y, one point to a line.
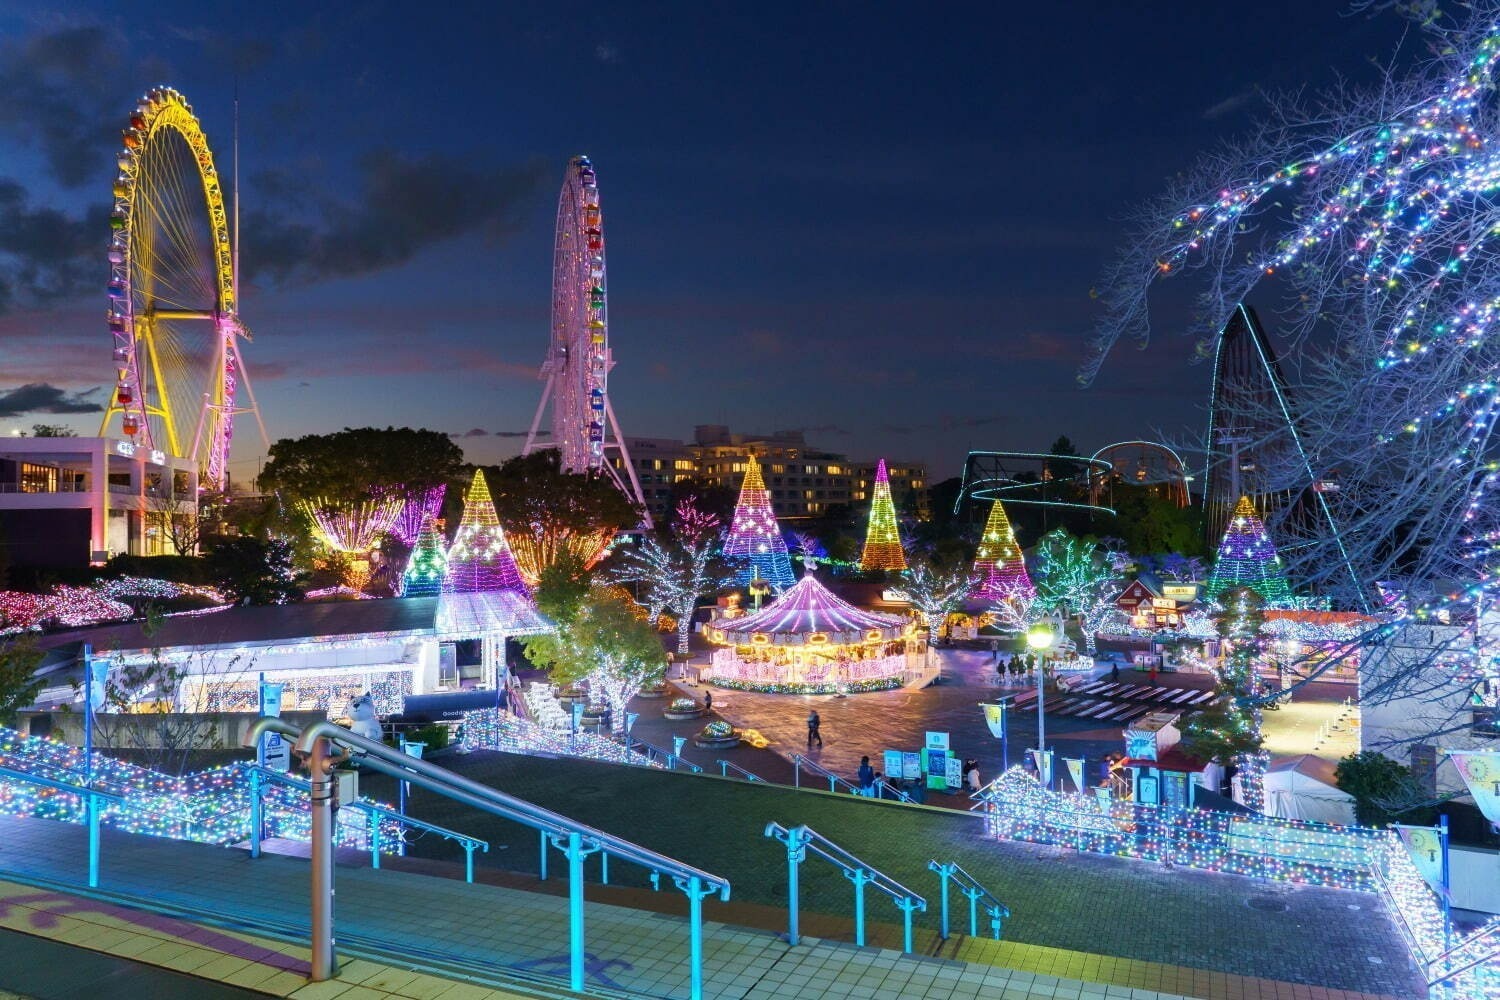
x: 67, y: 502
x: 803, y: 481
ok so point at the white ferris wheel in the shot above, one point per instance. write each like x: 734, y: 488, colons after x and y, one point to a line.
x: 583, y: 428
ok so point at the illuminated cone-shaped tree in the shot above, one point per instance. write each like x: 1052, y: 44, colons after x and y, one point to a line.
x: 999, y: 566
x: 1247, y: 558
x: 882, y: 540
x: 428, y: 563
x: 480, y: 558
x: 755, y: 544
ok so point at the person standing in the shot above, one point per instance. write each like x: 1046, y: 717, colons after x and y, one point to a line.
x: 708, y: 701
x: 814, y: 725
x: 1114, y: 672
x: 866, y: 777
x: 971, y: 775
x: 1152, y: 675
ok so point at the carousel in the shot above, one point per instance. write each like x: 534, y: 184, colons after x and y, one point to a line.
x: 808, y: 641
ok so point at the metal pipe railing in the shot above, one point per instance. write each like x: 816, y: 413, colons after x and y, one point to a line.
x: 671, y: 758
x: 576, y: 840
x: 375, y: 812
x: 975, y: 892
x: 801, y: 839
x: 799, y: 762
x: 90, y: 797
x: 725, y: 767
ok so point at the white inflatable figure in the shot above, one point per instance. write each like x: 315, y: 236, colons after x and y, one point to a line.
x: 362, y: 718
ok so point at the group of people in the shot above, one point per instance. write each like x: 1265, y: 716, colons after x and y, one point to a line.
x: 1014, y: 667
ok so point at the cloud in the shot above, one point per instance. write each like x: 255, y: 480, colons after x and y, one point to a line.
x: 40, y: 397
x: 400, y: 205
x: 66, y: 94
x: 764, y: 342
x: 607, y: 53
x: 1229, y: 104
x: 481, y: 432
x: 46, y: 255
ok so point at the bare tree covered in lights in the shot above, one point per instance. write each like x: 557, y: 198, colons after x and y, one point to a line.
x: 1369, y: 220
x: 1074, y: 576
x: 675, y: 572
x: 936, y: 592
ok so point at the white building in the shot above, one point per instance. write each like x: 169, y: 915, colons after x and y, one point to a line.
x: 321, y: 652
x: 67, y: 502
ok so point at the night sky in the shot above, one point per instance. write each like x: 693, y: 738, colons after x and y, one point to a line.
x: 877, y: 223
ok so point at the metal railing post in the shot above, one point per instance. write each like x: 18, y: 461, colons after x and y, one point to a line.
x: 575, y: 911
x: 796, y: 770
x: 91, y: 806
x: 542, y: 834
x: 257, y: 821
x: 324, y: 960
x: 907, y: 905
x: 796, y: 853
x: 859, y: 877
x: 693, y: 888
x: 374, y: 839
x: 604, y: 867
x: 973, y: 895
x: 469, y: 861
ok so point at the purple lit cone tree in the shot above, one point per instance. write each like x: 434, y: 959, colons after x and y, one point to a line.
x: 480, y: 558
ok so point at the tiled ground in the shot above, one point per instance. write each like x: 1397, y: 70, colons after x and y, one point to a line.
x: 447, y: 921
x: 1059, y: 899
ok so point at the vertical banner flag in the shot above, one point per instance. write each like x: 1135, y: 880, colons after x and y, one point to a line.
x: 1043, y: 761
x: 1425, y: 845
x: 1480, y: 770
x: 1075, y: 771
x: 1101, y: 792
x: 577, y: 716
x: 994, y: 717
x: 275, y: 751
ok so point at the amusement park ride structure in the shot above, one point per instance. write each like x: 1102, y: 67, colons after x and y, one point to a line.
x: 583, y: 428
x: 173, y: 313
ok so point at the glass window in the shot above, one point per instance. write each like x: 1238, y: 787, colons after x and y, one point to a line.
x: 38, y: 478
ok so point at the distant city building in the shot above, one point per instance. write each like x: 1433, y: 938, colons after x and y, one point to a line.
x: 803, y: 481
x: 69, y: 501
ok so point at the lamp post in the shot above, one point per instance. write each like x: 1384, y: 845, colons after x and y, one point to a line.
x: 1040, y: 637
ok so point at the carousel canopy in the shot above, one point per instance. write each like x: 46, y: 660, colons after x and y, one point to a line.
x: 806, y: 610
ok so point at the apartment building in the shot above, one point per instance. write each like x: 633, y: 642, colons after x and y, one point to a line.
x: 803, y: 481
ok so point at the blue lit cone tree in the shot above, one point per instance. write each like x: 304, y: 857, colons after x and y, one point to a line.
x: 755, y: 544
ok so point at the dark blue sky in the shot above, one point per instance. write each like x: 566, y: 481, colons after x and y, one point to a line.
x: 875, y: 222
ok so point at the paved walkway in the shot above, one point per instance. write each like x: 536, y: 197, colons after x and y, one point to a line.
x: 448, y: 924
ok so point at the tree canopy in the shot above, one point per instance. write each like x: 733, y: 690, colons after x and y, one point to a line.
x: 356, y: 464
x: 548, y: 512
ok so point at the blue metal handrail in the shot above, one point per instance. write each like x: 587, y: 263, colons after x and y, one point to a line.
x: 882, y: 785
x: 971, y: 888
x: 671, y: 758
x: 576, y: 840
x: 375, y: 812
x: 801, y: 839
x: 725, y: 767
x: 90, y: 796
x: 799, y: 762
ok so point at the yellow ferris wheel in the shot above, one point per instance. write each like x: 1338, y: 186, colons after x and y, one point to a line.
x: 172, y: 310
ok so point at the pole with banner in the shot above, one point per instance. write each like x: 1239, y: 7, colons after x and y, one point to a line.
x: 93, y: 700
x: 273, y: 750
x: 994, y: 717
x: 1075, y: 771
x: 1428, y: 848
x: 1480, y: 770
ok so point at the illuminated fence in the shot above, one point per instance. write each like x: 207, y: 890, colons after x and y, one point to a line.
x: 209, y: 807
x: 1018, y: 808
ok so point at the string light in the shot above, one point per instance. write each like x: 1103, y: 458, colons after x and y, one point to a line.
x: 882, y: 539
x: 755, y: 540
x: 1247, y: 558
x: 428, y: 565
x: 480, y: 558
x: 999, y: 566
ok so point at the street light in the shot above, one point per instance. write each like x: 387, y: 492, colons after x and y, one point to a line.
x: 1040, y: 637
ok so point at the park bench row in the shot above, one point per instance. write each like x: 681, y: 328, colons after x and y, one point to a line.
x: 1172, y: 696
x: 1102, y: 711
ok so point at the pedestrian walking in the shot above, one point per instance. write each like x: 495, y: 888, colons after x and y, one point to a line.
x: 1114, y: 672
x: 708, y: 701
x: 814, y: 724
x: 1152, y: 675
x: 866, y: 777
x: 995, y: 650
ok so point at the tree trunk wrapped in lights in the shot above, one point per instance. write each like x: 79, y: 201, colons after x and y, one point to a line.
x: 936, y: 593
x: 882, y: 540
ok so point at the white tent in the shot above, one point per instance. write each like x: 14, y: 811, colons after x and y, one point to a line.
x: 1303, y: 788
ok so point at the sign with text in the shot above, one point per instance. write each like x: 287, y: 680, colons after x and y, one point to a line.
x: 955, y: 775
x: 1480, y: 770
x: 937, y: 769
x: 911, y: 765
x: 895, y: 766
x: 936, y: 741
x: 275, y: 749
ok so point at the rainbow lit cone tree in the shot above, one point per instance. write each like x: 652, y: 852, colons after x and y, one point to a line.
x: 999, y: 566
x: 882, y: 540
x: 480, y: 558
x: 428, y: 564
x: 755, y: 544
x: 1247, y: 558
